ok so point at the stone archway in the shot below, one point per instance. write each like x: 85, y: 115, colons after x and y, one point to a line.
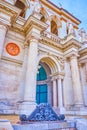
x: 52, y: 69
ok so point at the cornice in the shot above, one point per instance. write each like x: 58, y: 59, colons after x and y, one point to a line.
x: 17, y: 29
x: 83, y: 52
x: 51, y: 43
x: 9, y: 10
x: 28, y: 25
x: 71, y: 43
x: 33, y: 22
x: 14, y: 61
x: 61, y: 11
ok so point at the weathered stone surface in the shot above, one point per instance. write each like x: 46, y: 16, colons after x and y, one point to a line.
x: 9, y: 87
x: 5, y: 125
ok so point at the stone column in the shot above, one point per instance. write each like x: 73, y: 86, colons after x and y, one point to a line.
x: 60, y: 95
x: 78, y: 99
x: 54, y: 93
x: 86, y: 71
x: 3, y: 30
x: 49, y: 85
x: 24, y: 68
x: 29, y: 102
x: 61, y: 108
x: 83, y: 82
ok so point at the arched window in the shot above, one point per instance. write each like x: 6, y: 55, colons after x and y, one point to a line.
x: 43, y: 19
x: 54, y: 28
x: 21, y: 5
x: 41, y: 90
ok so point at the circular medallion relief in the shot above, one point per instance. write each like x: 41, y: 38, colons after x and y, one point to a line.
x: 12, y: 49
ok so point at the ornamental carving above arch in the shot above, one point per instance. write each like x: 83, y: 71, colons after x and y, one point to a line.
x: 12, y: 49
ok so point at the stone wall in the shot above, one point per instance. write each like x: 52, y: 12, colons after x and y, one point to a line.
x: 10, y: 76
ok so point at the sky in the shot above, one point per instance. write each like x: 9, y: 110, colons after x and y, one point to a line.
x: 76, y: 7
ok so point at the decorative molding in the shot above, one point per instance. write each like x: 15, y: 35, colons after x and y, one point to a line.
x: 61, y: 11
x: 57, y: 75
x: 43, y: 112
x: 13, y: 61
x: 9, y: 10
x: 83, y: 52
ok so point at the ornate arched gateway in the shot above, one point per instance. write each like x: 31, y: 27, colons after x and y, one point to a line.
x: 49, y: 82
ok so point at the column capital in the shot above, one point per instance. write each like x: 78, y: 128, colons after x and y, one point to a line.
x: 33, y: 37
x: 58, y: 76
x: 81, y: 64
x: 72, y: 54
x: 53, y: 78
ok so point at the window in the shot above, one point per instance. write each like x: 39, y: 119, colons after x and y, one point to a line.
x: 41, y: 94
x: 21, y: 5
x: 54, y: 28
x: 41, y: 90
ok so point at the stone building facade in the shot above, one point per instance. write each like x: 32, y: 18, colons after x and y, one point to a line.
x: 43, y: 58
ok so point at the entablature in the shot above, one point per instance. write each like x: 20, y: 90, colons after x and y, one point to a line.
x: 61, y: 11
x: 10, y: 11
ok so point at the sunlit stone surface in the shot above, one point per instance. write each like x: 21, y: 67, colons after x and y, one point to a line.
x: 5, y: 125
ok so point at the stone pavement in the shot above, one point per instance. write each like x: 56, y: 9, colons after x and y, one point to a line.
x: 81, y: 124
x: 5, y: 125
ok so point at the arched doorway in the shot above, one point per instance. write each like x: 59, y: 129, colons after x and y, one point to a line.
x: 41, y: 89
x: 49, y: 88
x: 44, y: 90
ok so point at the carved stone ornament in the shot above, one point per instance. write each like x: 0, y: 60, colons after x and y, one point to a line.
x: 43, y: 112
x: 13, y: 49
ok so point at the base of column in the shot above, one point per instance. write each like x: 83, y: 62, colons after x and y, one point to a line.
x: 26, y: 108
x: 61, y: 110
x: 78, y: 105
x: 77, y: 112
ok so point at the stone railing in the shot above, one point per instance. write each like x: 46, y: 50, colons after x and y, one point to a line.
x: 51, y: 36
